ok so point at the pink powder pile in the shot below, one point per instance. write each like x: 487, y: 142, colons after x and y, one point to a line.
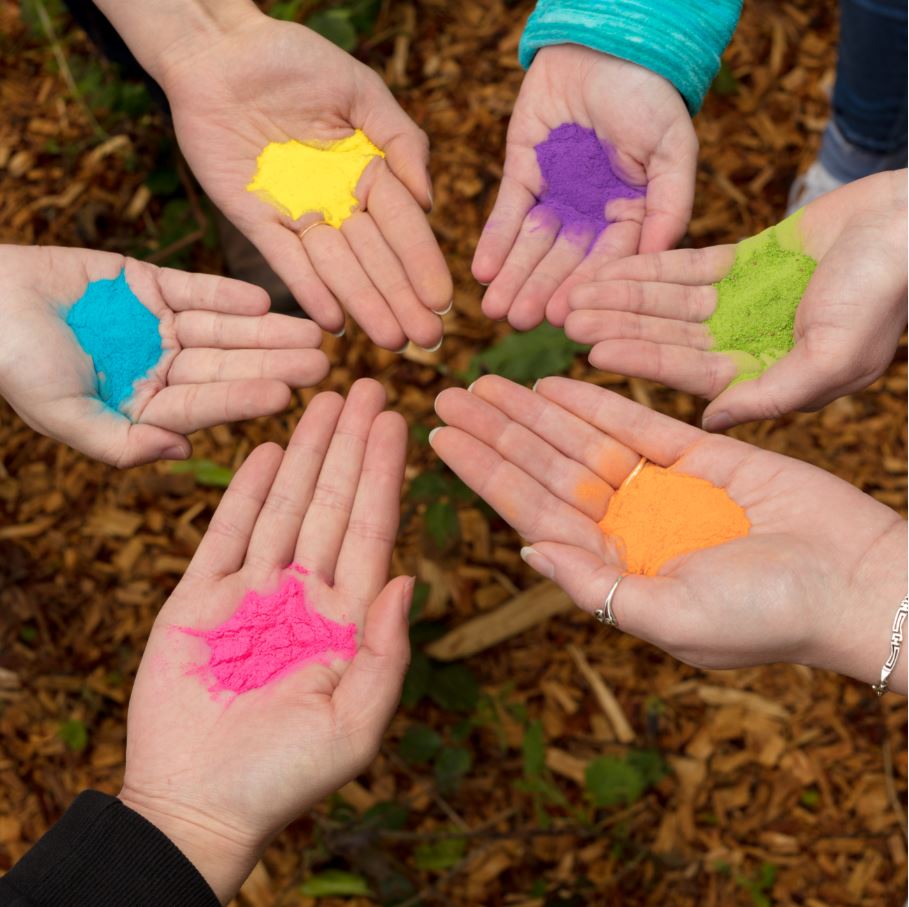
x: 268, y: 636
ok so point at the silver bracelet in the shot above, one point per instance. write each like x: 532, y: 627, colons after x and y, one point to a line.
x: 896, y: 645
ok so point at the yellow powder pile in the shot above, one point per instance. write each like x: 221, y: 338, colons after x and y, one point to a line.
x: 659, y: 514
x: 302, y: 177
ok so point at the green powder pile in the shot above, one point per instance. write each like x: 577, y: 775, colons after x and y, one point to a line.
x: 758, y: 298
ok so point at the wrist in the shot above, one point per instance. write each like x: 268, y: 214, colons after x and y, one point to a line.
x: 223, y: 856
x: 858, y: 643
x: 171, y: 32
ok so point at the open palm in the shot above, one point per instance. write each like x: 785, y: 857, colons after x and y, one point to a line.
x: 527, y: 261
x: 244, y: 767
x: 644, y: 315
x: 223, y: 357
x: 549, y: 460
x: 275, y: 81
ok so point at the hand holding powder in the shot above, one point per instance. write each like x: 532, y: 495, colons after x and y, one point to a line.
x: 120, y: 335
x: 268, y: 636
x: 659, y: 514
x: 579, y: 180
x: 302, y: 177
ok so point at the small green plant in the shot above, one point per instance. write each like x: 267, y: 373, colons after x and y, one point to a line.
x: 616, y: 781
x: 441, y: 854
x: 761, y: 887
x: 344, y: 23
x: 205, y: 472
x: 335, y: 883
x: 725, y: 83
x: 74, y: 735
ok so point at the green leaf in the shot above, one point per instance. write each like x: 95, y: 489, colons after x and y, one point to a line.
x: 74, y: 735
x: 441, y: 854
x: 418, y: 601
x: 287, y: 10
x: 163, y: 181
x: 363, y: 14
x: 452, y: 763
x: 335, y: 25
x: 454, y: 687
x: 334, y: 882
x: 28, y: 633
x: 420, y: 433
x: 810, y: 797
x: 533, y: 749
x: 416, y: 681
x: 725, y: 83
x: 419, y: 744
x: 390, y: 814
x: 650, y: 765
x: 611, y: 781
x: 441, y: 522
x: 205, y: 472
x: 526, y: 357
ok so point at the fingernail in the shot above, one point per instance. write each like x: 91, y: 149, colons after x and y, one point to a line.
x: 177, y: 452
x: 407, y: 598
x: 339, y: 333
x: 535, y: 384
x: 434, y: 432
x: 447, y: 309
x: 398, y: 352
x: 541, y: 564
x: 716, y: 421
x: 433, y: 349
x: 472, y: 385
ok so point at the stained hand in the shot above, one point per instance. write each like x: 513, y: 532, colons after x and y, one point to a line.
x: 549, y: 461
x: 528, y: 264
x: 223, y: 358
x: 220, y: 778
x: 644, y: 315
x: 268, y: 81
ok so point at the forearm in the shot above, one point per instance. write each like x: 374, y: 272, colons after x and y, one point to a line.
x: 169, y: 31
x: 680, y: 41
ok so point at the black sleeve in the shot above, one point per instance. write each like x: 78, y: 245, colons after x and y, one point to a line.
x: 103, y: 854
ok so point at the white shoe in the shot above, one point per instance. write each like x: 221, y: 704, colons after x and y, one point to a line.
x: 817, y: 180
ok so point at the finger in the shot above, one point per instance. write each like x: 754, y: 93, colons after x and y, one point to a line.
x: 660, y: 438
x: 234, y: 332
x: 223, y: 547
x: 658, y: 300
x: 670, y: 193
x: 513, y: 204
x: 572, y: 436
x: 693, y: 371
x: 295, y: 368
x: 521, y: 501
x: 386, y: 273
x: 567, y: 479
x: 337, y: 265
x: 274, y: 538
x: 284, y: 251
x: 183, y: 292
x: 186, y: 408
x: 618, y: 240
x: 369, y: 690
x: 594, y: 326
x: 566, y: 255
x: 689, y: 267
x: 327, y: 516
x: 366, y: 550
x: 406, y: 230
x: 537, y: 234
x: 647, y: 607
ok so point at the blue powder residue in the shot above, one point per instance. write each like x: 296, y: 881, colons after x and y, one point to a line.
x: 119, y: 334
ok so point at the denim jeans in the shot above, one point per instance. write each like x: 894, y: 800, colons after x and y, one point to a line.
x: 867, y: 132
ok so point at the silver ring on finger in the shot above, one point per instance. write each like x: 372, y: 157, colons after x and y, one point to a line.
x: 605, y: 614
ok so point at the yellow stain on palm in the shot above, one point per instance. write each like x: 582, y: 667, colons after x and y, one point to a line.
x: 302, y: 177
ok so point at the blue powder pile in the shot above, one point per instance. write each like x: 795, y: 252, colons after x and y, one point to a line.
x: 119, y: 334
x: 578, y: 179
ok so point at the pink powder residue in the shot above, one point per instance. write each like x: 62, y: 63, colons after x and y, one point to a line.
x: 268, y: 636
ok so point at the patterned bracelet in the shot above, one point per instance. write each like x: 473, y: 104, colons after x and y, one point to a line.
x: 896, y: 645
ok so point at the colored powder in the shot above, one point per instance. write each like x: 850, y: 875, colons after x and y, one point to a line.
x: 119, y: 334
x: 757, y: 300
x: 659, y: 514
x: 270, y: 635
x: 300, y: 177
x: 579, y: 179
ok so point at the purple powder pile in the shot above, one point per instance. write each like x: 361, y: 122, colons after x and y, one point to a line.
x: 578, y: 179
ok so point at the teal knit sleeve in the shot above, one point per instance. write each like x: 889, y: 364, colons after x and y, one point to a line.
x: 681, y: 41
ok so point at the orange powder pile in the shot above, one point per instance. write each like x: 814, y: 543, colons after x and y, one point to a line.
x: 659, y: 514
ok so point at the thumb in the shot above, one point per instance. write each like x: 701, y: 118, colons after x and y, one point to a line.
x: 370, y: 688
x: 642, y: 605
x: 148, y: 443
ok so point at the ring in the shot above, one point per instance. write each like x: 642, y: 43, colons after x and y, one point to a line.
x: 306, y: 230
x: 604, y: 615
x: 641, y: 464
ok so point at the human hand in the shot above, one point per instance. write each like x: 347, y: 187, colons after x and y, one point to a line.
x: 644, y: 315
x: 527, y: 263
x: 261, y: 81
x: 223, y: 357
x: 221, y: 778
x: 816, y: 581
